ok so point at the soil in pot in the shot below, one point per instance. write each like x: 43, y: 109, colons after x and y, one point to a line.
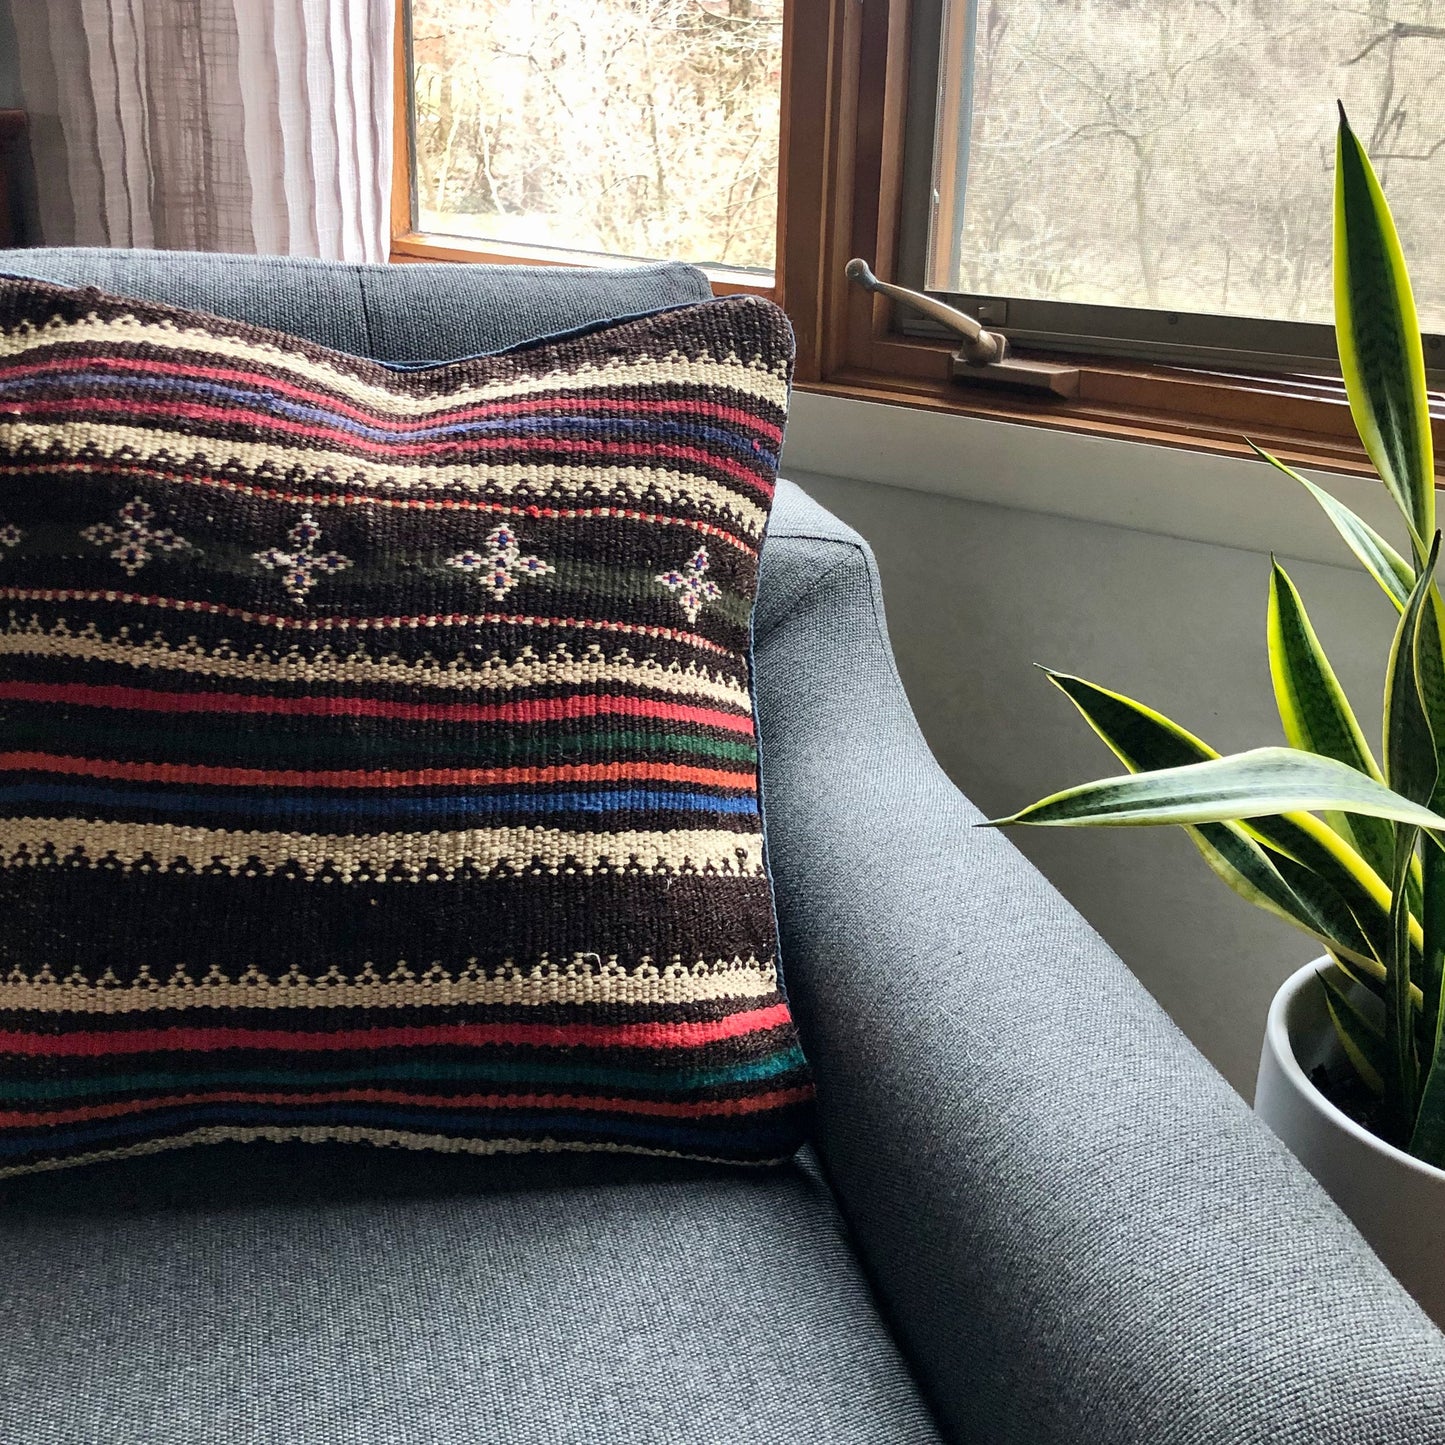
x: 1341, y: 1085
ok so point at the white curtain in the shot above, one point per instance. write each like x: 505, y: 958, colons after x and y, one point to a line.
x: 210, y: 125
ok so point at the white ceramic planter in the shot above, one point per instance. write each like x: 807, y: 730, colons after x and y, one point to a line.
x: 1395, y: 1201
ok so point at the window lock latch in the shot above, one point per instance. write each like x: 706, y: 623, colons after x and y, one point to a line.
x: 983, y: 356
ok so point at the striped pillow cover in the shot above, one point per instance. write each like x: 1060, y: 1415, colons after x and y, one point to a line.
x: 378, y: 759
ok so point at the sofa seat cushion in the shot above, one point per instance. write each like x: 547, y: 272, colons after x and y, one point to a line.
x: 450, y: 1301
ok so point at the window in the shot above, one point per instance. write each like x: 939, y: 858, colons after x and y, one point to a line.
x: 587, y: 129
x: 1155, y: 179
x: 1139, y: 189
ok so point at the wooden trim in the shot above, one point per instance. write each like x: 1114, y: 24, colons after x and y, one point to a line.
x: 429, y: 246
x: 1180, y: 430
x: 950, y: 112
x: 845, y: 103
x: 1304, y: 420
x: 401, y: 217
x: 820, y: 51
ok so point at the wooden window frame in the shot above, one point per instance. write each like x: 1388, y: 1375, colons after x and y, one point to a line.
x: 409, y: 244
x: 845, y: 91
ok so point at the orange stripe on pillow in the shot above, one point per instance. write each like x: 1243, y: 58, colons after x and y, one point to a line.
x: 617, y: 1036
x: 546, y: 709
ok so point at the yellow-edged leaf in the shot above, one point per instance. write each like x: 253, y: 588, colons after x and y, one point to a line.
x: 1394, y: 574
x: 1253, y: 784
x: 1412, y: 769
x: 1315, y: 713
x: 1361, y: 1038
x: 1411, y: 766
x: 1144, y: 739
x: 1296, y: 895
x: 1378, y: 335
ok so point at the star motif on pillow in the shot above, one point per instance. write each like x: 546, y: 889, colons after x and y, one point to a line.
x: 502, y: 566
x: 132, y: 540
x: 690, y: 585
x: 303, y: 566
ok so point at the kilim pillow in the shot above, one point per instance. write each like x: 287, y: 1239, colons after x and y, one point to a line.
x: 378, y: 753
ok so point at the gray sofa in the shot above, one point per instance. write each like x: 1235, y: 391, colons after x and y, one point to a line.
x: 1033, y: 1214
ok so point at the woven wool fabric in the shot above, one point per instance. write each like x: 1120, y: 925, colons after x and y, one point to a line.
x: 378, y: 758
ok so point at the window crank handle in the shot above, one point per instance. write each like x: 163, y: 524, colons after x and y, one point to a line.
x: 982, y: 358
x: 978, y: 346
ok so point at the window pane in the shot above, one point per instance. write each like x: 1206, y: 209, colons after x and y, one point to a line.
x: 1179, y: 154
x: 641, y: 128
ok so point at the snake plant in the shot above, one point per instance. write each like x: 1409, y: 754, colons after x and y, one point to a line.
x: 1343, y: 843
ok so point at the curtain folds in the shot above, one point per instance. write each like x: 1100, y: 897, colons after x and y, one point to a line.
x: 210, y: 125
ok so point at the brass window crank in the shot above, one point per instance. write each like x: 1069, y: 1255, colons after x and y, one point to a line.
x: 982, y: 356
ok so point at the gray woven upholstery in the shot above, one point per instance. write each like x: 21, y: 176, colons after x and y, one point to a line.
x: 1075, y: 1230
x: 1079, y: 1232
x: 330, y: 1296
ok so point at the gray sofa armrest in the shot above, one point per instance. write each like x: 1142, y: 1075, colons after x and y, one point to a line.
x: 1078, y: 1231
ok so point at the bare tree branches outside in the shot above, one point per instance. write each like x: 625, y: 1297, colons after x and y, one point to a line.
x: 1178, y: 154
x: 630, y: 127
x: 1174, y: 154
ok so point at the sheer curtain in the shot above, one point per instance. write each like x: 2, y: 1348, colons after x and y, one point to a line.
x: 210, y: 125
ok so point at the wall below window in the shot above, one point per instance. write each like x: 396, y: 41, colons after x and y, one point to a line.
x: 1138, y: 567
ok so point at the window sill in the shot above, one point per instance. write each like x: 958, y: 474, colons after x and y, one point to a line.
x: 1303, y: 419
x: 414, y: 246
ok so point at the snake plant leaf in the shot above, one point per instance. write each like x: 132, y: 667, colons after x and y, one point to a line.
x: 1432, y: 951
x: 1140, y: 737
x: 1316, y: 715
x: 1335, y: 922
x: 1301, y: 845
x: 1361, y: 1037
x: 1378, y: 335
x: 1234, y: 857
x: 1368, y: 981
x: 1303, y: 857
x: 1430, y: 665
x: 1427, y: 1140
x: 1394, y: 574
x: 1428, y: 901
x: 1402, y: 1064
x: 1411, y: 767
x: 1251, y: 784
x: 1279, y: 886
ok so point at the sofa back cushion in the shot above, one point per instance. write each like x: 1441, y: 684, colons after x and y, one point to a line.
x: 403, y: 313
x: 376, y: 745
